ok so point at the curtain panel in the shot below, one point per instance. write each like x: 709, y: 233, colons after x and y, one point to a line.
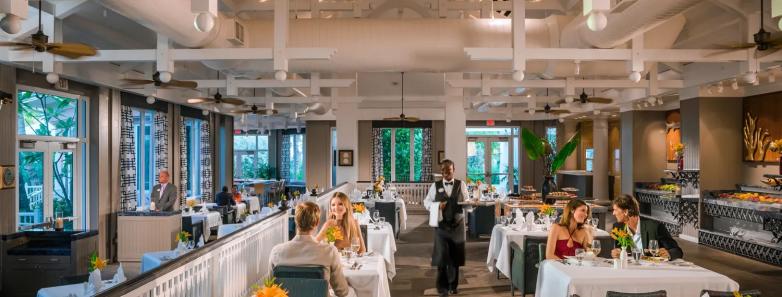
x: 161, y: 141
x: 426, y: 159
x: 182, y: 163
x: 127, y: 162
x: 206, y: 162
x: 377, y: 154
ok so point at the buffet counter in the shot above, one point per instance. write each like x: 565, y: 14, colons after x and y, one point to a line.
x: 669, y: 208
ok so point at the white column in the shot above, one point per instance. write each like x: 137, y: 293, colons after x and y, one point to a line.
x: 600, y: 162
x: 455, y: 138
x: 347, y: 139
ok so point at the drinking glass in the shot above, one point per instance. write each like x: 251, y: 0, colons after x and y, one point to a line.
x: 376, y: 216
x: 355, y: 245
x: 504, y: 220
x: 654, y: 248
x: 595, y: 222
x: 596, y: 247
x: 382, y: 221
x: 579, y: 255
x: 637, y: 255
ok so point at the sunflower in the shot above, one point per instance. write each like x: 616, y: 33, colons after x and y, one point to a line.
x: 96, y: 262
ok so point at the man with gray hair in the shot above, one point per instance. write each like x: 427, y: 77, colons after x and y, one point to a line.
x: 164, y: 194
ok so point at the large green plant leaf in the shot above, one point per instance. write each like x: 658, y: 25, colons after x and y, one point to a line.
x: 566, y: 150
x: 533, y: 144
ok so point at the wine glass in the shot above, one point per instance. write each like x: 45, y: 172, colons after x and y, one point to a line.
x: 637, y: 255
x: 579, y: 255
x: 595, y: 222
x: 654, y: 247
x: 382, y: 221
x: 376, y: 217
x: 596, y: 247
x: 355, y: 245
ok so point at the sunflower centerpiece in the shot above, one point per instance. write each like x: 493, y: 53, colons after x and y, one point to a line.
x: 270, y: 289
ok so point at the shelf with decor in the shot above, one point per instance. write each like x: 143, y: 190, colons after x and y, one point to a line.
x: 662, y: 203
x: 746, y: 221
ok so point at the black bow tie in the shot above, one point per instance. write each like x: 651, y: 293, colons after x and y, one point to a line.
x: 449, y: 183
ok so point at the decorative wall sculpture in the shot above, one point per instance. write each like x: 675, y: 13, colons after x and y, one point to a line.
x: 756, y: 139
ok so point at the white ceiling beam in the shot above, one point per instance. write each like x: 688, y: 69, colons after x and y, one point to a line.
x: 657, y: 55
x: 562, y: 84
x: 281, y: 22
x: 518, y: 34
x: 149, y: 55
x: 302, y: 5
x: 272, y: 83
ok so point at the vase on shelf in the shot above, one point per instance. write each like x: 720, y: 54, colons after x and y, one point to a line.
x: 549, y: 185
x: 679, y: 162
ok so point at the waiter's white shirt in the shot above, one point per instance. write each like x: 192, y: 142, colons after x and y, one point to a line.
x: 432, y: 194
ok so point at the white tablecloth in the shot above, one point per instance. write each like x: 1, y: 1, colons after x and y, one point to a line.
x: 70, y: 290
x: 152, y: 260
x: 499, y: 245
x: 401, y: 208
x: 371, y: 280
x: 382, y: 242
x: 252, y: 203
x: 559, y: 280
x: 212, y: 218
x: 226, y: 229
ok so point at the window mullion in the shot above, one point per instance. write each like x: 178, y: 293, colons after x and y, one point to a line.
x: 393, y: 155
x: 412, y: 155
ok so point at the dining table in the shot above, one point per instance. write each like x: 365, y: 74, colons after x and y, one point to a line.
x: 380, y: 240
x: 73, y: 290
x: 558, y: 278
x: 368, y: 276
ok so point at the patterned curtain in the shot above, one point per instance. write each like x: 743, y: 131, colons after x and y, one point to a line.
x: 127, y: 161
x: 182, y: 163
x: 377, y: 153
x: 285, y: 166
x: 206, y: 162
x: 161, y: 141
x: 426, y: 159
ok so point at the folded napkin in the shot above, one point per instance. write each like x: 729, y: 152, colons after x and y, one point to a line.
x: 200, y: 242
x: 119, y: 276
x: 519, y: 217
x: 95, y: 281
x: 435, y: 215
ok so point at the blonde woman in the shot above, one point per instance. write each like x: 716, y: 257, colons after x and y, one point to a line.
x: 341, y: 216
x: 569, y: 234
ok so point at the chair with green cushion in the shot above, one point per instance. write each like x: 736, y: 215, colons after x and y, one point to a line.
x: 753, y: 293
x: 303, y: 281
x: 516, y: 269
x: 660, y: 293
x: 524, y: 264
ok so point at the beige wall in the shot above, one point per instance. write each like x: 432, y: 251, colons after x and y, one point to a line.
x: 721, y: 165
x: 643, y: 148
x: 318, y: 152
x: 7, y: 148
x: 752, y: 173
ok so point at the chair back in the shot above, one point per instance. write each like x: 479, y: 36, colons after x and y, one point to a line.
x: 753, y: 293
x: 660, y: 293
x: 524, y: 269
x: 304, y: 287
x: 482, y: 220
x: 364, y: 233
x: 197, y: 229
x: 309, y: 272
x: 388, y: 211
x: 228, y: 213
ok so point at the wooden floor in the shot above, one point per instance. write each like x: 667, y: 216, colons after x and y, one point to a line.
x: 415, y: 277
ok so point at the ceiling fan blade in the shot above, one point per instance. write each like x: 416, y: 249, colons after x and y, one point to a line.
x: 600, y: 100
x: 133, y: 81
x: 392, y: 119
x: 412, y: 119
x: 12, y: 43
x: 71, y: 50
x: 200, y: 100
x: 761, y: 54
x: 234, y: 101
x: 559, y: 111
x: 186, y: 84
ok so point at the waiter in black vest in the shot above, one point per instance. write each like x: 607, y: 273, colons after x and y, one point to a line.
x: 448, y: 253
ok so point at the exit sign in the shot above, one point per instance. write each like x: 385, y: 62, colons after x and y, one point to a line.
x: 489, y: 122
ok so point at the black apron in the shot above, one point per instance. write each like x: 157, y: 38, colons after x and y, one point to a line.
x: 449, y: 235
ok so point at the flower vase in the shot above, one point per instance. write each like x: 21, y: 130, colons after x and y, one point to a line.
x: 623, y: 257
x: 549, y: 185
x: 679, y: 162
x: 181, y: 247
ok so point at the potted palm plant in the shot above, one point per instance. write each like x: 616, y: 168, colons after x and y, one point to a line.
x: 539, y: 147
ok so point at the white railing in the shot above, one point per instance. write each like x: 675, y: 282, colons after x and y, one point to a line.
x: 228, y: 267
x: 413, y: 193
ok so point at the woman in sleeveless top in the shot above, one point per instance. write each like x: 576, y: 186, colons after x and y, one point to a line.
x: 569, y: 234
x: 341, y: 216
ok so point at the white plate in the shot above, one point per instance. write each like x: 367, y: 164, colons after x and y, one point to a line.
x: 585, y: 262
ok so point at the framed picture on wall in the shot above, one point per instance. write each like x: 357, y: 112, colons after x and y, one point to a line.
x: 440, y: 156
x: 345, y: 157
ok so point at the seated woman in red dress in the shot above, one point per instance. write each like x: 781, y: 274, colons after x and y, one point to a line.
x: 569, y: 234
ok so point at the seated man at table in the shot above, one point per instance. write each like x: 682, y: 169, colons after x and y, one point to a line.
x: 627, y: 215
x: 303, y: 250
x: 224, y: 198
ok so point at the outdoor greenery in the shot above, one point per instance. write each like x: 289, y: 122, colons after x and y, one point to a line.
x: 402, y: 152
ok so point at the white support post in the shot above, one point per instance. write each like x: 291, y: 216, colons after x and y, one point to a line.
x: 357, y: 4
x: 636, y: 60
x: 281, y: 22
x: 519, y: 35
x: 315, y: 9
x: 570, y: 90
x: 230, y: 86
x: 163, y: 54
x: 315, y: 84
x: 485, y: 87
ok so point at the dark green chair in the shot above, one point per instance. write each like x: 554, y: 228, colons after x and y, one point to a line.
x: 302, y: 281
x: 660, y: 293
x: 481, y: 220
x: 753, y: 293
x: 524, y: 264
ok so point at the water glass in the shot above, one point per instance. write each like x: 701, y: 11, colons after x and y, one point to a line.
x: 580, y: 255
x: 637, y: 255
x: 596, y: 247
x: 382, y: 221
x: 654, y: 247
x: 376, y: 216
x: 595, y: 222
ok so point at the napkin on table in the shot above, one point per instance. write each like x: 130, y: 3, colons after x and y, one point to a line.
x: 530, y: 219
x: 200, y: 242
x: 519, y: 217
x: 119, y: 276
x: 95, y: 280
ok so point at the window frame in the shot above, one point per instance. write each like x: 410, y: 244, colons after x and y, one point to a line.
x: 412, y: 157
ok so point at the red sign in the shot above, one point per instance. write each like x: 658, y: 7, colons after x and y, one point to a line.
x: 237, y: 131
x: 489, y: 122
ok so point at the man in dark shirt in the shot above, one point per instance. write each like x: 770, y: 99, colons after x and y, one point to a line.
x: 627, y: 214
x: 225, y: 198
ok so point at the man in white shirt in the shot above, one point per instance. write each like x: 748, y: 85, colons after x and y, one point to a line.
x: 164, y: 194
x: 448, y: 252
x: 303, y: 250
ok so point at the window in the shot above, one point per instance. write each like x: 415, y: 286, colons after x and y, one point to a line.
x: 590, y: 156
x: 293, y: 158
x: 144, y: 134
x: 251, y: 157
x: 51, y: 167
x: 193, y: 139
x: 551, y: 137
x: 402, y: 153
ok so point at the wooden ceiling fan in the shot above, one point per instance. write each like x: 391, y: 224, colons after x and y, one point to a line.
x: 548, y: 109
x: 584, y: 99
x: 402, y: 117
x: 40, y: 43
x: 764, y: 41
x: 173, y: 83
x: 255, y: 110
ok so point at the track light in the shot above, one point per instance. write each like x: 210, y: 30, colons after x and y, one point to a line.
x: 150, y: 99
x: 659, y: 101
x: 518, y: 75
x: 646, y: 104
x: 635, y: 76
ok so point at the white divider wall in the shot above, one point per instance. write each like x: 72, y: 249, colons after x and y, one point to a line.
x: 412, y: 193
x: 230, y: 270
